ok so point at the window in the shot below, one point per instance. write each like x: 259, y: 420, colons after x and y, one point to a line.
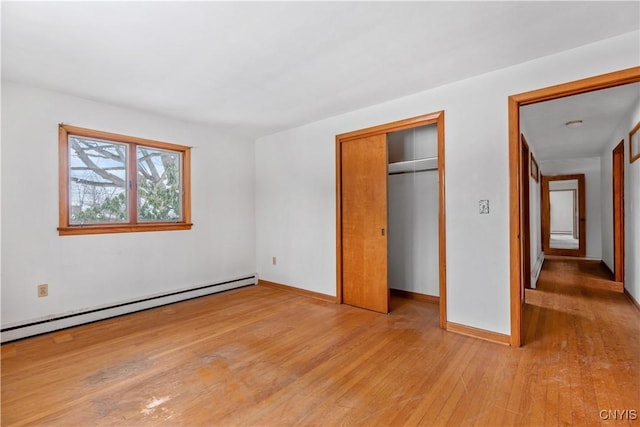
x: 118, y: 184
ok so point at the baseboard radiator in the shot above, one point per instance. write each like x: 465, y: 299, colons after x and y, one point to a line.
x: 52, y: 323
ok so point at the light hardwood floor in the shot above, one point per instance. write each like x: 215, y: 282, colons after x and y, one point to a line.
x: 265, y: 357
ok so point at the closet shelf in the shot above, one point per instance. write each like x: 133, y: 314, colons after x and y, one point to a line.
x: 419, y: 165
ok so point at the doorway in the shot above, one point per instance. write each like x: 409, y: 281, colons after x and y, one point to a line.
x: 564, y: 222
x: 618, y: 212
x: 362, y: 208
x: 610, y: 80
x: 413, y: 213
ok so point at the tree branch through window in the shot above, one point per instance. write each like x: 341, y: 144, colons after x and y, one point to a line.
x: 115, y: 183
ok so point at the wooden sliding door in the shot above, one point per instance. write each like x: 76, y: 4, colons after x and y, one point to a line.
x: 361, y: 214
x: 364, y: 222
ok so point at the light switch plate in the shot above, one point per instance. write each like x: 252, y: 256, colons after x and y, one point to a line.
x: 484, y: 207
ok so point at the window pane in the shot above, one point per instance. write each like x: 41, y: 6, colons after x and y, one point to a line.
x: 97, y: 181
x: 159, y: 186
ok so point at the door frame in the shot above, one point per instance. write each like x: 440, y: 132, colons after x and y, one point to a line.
x: 582, y: 216
x: 423, y: 120
x: 617, y: 170
x: 603, y: 81
x: 525, y: 156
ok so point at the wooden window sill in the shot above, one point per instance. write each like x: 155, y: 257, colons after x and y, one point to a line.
x: 121, y: 228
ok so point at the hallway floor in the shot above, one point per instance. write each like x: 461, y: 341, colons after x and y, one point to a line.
x: 563, y: 241
x: 586, y: 334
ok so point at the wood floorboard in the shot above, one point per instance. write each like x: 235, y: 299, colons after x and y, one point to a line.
x: 260, y: 356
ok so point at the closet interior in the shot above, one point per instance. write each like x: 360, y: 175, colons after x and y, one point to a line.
x: 413, y: 210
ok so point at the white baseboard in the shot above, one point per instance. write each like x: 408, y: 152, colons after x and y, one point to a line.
x: 51, y: 323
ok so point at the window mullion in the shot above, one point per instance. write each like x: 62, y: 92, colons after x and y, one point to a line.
x: 133, y: 184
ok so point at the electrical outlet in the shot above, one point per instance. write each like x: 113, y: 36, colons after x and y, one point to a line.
x: 273, y: 261
x: 43, y: 290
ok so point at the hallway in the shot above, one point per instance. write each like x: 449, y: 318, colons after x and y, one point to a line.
x: 586, y: 334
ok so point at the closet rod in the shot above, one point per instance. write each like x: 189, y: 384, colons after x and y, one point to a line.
x: 414, y: 171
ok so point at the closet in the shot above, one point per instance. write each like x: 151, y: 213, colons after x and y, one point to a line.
x: 413, y: 211
x: 390, y: 213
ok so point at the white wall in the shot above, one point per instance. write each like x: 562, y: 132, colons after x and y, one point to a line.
x: 632, y: 221
x: 1, y: 204
x: 621, y: 133
x: 413, y: 215
x: 94, y: 270
x: 296, y: 198
x: 590, y: 167
x: 632, y: 204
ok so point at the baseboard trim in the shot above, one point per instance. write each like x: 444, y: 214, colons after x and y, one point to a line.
x: 479, y: 333
x: 298, y: 291
x: 617, y: 287
x: 431, y: 299
x: 569, y: 258
x: 632, y: 299
x: 614, y: 286
x: 53, y: 323
x: 606, y: 267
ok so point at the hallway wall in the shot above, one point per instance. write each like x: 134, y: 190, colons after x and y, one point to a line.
x: 632, y: 218
x: 632, y: 204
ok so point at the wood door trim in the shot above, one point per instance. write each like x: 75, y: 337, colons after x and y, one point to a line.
x: 582, y: 216
x: 483, y: 334
x: 576, y: 214
x: 617, y: 170
x: 410, y: 123
x: 442, y: 229
x: 526, y: 213
x: 423, y: 120
x: 514, y: 102
x: 540, y: 215
x: 338, y: 150
x: 589, y: 84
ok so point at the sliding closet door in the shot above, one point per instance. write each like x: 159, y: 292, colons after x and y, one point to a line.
x: 364, y: 222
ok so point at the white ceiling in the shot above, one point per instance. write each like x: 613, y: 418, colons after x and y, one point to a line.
x: 262, y: 67
x: 601, y: 112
